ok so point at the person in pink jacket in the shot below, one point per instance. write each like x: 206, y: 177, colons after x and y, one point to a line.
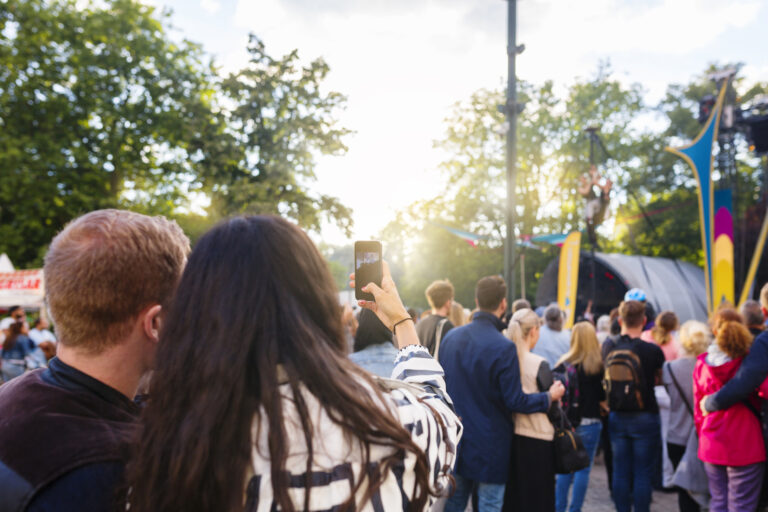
x: 730, y: 441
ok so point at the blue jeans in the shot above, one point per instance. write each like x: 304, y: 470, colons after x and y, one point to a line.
x: 634, y: 441
x: 590, y: 436
x: 490, y: 497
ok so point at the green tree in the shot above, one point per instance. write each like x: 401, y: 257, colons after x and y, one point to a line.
x: 97, y: 106
x: 280, y: 120
x: 553, y: 151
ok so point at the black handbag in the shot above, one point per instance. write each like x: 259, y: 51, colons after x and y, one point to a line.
x: 570, y: 454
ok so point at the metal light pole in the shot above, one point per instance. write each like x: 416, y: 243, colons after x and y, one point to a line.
x: 511, y: 111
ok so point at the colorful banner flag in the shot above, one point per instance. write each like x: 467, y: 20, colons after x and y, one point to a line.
x: 698, y: 154
x: 556, y: 239
x: 723, y: 275
x: 470, y: 238
x: 568, y: 276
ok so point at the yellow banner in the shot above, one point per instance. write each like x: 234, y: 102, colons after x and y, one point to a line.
x: 568, y: 276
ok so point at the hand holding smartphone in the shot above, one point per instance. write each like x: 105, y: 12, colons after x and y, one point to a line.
x: 368, y: 267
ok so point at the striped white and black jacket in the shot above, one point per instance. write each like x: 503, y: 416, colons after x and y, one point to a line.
x: 416, y: 395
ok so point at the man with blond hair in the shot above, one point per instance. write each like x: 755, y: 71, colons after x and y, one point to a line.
x: 65, y: 430
x: 433, y: 328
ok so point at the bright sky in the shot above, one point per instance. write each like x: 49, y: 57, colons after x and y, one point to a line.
x: 403, y: 63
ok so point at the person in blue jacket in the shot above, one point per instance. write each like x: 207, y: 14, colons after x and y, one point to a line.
x: 482, y: 374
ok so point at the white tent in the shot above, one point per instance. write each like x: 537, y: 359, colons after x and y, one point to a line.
x: 5, y: 263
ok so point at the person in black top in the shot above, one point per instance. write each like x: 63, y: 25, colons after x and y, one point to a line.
x: 635, y: 434
x: 587, y: 408
x: 433, y: 328
x: 67, y: 430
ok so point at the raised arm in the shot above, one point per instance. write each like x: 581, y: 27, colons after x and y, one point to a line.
x: 420, y: 399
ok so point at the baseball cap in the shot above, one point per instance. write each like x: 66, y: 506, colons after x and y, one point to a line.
x: 635, y: 294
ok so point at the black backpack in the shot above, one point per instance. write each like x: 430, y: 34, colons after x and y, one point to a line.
x: 623, y: 380
x: 568, y: 374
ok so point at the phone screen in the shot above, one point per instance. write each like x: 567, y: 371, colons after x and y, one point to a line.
x: 368, y: 267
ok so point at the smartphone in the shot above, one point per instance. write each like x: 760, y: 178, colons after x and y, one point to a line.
x: 368, y: 267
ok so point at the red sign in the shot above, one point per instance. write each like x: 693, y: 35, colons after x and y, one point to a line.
x: 22, y: 281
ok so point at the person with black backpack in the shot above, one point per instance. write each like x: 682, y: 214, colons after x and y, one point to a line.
x: 581, y: 370
x: 632, y: 369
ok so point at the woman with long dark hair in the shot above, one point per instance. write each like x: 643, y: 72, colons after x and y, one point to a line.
x: 255, y: 405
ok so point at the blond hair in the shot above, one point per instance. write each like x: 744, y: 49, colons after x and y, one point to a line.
x: 520, y: 326
x: 694, y: 337
x: 438, y: 293
x: 104, y: 268
x: 764, y: 296
x: 585, y: 349
x: 457, y: 316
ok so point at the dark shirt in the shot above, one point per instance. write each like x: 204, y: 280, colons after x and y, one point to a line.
x: 90, y: 486
x: 651, y: 359
x: 426, y: 329
x: 482, y: 374
x: 591, y: 393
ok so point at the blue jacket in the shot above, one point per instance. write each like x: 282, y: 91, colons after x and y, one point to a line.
x: 483, y: 378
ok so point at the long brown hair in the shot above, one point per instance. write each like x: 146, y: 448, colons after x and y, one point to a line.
x: 665, y: 323
x: 256, y: 295
x: 14, y: 331
x: 585, y: 349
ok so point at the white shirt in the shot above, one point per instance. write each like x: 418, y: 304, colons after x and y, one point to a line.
x: 421, y: 404
x: 39, y: 336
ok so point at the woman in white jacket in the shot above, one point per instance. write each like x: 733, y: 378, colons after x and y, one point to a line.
x: 255, y: 405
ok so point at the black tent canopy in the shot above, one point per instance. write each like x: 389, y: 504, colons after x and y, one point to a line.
x: 669, y: 284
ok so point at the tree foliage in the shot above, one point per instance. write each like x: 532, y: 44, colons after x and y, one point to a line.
x: 279, y: 120
x: 553, y: 151
x: 100, y: 107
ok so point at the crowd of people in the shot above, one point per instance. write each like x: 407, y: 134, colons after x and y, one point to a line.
x: 24, y: 348
x: 228, y: 378
x: 638, y: 386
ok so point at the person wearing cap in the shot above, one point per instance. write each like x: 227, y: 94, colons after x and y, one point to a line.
x: 554, y: 342
x: 638, y: 295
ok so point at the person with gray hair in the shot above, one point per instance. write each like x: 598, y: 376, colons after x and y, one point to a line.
x: 553, y: 340
x: 603, y: 328
x: 753, y: 316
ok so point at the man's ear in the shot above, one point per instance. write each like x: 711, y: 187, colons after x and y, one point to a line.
x: 152, y: 322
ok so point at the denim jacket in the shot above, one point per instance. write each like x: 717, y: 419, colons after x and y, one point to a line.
x: 377, y: 359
